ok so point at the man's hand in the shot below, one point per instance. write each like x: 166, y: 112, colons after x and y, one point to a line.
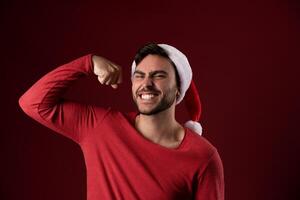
x: 108, y: 73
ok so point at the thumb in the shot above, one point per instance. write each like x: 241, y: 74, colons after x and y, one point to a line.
x: 115, y: 86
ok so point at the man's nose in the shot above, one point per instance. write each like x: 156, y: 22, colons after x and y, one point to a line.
x: 148, y: 81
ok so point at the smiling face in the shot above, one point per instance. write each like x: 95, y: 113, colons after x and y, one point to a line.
x: 154, y: 86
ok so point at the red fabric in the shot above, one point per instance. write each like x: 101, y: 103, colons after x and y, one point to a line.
x: 192, y: 102
x: 120, y: 162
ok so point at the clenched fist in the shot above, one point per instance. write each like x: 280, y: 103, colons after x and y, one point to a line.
x: 108, y: 73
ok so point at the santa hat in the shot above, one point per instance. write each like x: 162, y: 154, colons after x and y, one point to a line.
x: 188, y: 90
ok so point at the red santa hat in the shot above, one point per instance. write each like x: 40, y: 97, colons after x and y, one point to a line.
x: 188, y: 90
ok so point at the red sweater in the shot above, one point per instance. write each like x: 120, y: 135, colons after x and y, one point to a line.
x: 120, y: 162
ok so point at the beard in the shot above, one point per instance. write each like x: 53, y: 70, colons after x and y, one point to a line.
x: 166, y: 102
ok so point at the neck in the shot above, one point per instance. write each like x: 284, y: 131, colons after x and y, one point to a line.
x: 160, y: 127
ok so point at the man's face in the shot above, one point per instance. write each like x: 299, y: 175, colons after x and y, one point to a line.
x: 154, y: 85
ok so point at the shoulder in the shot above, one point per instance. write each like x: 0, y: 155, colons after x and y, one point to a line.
x: 117, y: 113
x: 201, y: 147
x: 204, y: 152
x: 113, y: 114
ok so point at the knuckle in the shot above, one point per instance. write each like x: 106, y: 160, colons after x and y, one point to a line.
x: 113, y: 70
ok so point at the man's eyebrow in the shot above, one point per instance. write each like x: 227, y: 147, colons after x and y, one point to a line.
x: 138, y: 72
x: 151, y: 73
x: 158, y: 72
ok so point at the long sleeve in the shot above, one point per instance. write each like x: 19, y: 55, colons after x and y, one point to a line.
x: 211, y: 182
x: 44, y: 103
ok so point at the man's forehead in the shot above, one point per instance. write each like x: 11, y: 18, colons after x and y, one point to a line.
x: 153, y: 63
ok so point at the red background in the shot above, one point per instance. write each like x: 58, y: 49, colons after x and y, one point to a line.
x: 244, y: 57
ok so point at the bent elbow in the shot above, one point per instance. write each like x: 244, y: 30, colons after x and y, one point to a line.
x: 27, y: 105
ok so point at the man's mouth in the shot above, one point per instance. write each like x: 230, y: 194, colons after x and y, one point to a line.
x: 147, y: 95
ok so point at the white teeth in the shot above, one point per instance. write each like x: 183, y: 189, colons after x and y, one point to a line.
x: 147, y: 96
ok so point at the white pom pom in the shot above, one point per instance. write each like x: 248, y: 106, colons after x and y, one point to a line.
x: 195, y: 126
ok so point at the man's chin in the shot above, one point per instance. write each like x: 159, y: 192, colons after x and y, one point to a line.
x: 153, y: 111
x: 146, y: 111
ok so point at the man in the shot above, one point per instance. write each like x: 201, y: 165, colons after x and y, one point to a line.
x: 143, y: 155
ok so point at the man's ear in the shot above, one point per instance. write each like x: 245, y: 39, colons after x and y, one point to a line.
x: 177, y: 94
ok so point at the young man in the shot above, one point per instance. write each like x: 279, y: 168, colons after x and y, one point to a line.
x: 146, y: 155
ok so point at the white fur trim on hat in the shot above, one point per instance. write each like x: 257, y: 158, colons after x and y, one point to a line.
x: 195, y: 126
x: 183, y: 67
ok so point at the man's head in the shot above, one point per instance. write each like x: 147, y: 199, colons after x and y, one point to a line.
x: 161, y: 77
x: 155, y: 80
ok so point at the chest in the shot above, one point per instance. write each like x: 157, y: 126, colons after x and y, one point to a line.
x: 135, y: 168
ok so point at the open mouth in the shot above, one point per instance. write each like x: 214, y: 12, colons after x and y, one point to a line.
x: 147, y: 95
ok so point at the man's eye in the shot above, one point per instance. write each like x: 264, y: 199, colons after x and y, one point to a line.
x: 159, y: 76
x: 138, y: 76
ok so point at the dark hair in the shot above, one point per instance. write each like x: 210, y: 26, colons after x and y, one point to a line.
x: 154, y: 49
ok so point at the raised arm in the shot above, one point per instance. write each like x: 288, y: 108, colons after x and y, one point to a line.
x: 44, y: 103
